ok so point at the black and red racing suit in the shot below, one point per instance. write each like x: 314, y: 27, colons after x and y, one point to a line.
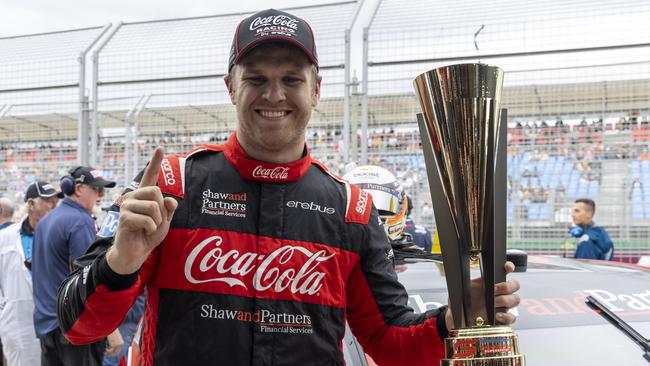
x: 263, y: 264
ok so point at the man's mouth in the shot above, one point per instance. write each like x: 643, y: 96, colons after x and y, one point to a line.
x: 272, y: 114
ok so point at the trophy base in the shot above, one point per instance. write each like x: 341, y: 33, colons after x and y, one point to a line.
x: 483, y: 346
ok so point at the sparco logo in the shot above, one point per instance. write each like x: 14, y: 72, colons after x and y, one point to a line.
x: 275, y: 173
x: 361, y: 203
x: 231, y: 267
x: 168, y: 173
x: 281, y: 20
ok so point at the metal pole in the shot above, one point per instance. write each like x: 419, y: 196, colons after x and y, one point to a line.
x: 94, y: 92
x: 82, y: 130
x: 364, y: 108
x: 128, y: 137
x: 136, y: 133
x: 346, y: 102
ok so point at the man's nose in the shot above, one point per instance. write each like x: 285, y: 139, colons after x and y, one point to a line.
x: 275, y: 92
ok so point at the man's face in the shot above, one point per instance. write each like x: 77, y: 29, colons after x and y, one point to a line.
x: 581, y: 214
x: 274, y: 89
x: 89, y: 195
x: 39, y: 207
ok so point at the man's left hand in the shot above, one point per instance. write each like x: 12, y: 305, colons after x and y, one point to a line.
x: 504, y: 297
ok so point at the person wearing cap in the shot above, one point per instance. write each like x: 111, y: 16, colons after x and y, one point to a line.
x: 6, y: 212
x: 252, y: 252
x: 21, y: 346
x: 60, y: 238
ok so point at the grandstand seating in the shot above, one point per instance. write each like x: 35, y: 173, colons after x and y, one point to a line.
x: 639, y: 196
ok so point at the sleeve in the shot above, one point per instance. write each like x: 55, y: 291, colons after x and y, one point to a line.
x: 16, y: 313
x: 607, y: 244
x: 378, y: 314
x: 94, y: 300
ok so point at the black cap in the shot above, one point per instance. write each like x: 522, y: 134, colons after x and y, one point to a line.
x: 41, y: 189
x: 272, y: 26
x: 90, y: 176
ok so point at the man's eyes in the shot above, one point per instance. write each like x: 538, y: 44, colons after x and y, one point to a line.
x: 255, y: 79
x: 292, y: 80
x: 259, y: 80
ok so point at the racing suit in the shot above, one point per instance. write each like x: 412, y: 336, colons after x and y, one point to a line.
x: 263, y: 264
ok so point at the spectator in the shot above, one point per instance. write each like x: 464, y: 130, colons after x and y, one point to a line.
x: 593, y: 242
x: 17, y: 305
x: 60, y: 238
x: 6, y: 212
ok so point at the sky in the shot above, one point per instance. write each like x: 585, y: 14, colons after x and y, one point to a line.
x: 20, y: 17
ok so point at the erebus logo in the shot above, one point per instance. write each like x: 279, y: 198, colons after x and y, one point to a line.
x: 168, y: 173
x: 311, y: 206
x: 361, y: 202
x: 271, y: 173
x: 231, y: 267
x: 278, y: 20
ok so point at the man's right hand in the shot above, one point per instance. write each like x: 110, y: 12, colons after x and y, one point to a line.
x: 145, y: 216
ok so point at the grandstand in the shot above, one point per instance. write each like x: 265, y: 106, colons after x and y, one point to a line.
x: 577, y: 98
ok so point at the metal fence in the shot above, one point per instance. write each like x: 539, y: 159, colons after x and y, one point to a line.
x: 105, y: 96
x: 41, y: 103
x: 161, y: 82
x: 578, y: 97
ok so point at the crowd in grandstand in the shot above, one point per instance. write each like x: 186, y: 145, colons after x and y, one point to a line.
x: 548, y: 161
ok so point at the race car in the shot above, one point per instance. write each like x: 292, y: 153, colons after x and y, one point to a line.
x: 556, y: 325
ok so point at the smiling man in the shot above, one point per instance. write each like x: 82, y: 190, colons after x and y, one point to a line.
x: 252, y: 252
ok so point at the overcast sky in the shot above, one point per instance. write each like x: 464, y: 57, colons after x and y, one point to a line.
x: 19, y: 17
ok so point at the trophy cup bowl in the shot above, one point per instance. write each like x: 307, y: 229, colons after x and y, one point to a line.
x: 464, y: 145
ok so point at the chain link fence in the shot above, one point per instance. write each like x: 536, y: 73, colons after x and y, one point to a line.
x: 161, y: 83
x: 577, y: 92
x: 41, y: 102
x: 576, y: 88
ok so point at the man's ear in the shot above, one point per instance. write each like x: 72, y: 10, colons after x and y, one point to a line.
x: 316, y: 96
x: 229, y: 85
x: 77, y: 189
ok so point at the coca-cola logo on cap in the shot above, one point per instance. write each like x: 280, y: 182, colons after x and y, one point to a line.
x: 278, y: 172
x: 287, y: 268
x: 274, y: 20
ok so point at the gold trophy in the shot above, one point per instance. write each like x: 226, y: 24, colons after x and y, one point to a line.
x: 464, y: 144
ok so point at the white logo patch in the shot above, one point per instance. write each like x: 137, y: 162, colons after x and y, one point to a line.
x: 224, y: 204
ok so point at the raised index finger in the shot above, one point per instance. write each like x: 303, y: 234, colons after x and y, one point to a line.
x: 150, y: 176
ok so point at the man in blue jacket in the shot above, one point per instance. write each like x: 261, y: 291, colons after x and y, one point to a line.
x: 593, y: 242
x: 60, y: 238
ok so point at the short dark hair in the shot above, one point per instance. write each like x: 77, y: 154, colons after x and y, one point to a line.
x: 589, y: 202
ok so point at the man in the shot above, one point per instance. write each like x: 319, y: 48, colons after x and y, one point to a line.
x: 16, y: 303
x: 393, y: 206
x: 62, y: 237
x: 593, y: 242
x: 265, y: 254
x: 6, y: 212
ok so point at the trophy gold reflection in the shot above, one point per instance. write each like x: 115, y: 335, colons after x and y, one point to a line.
x: 464, y: 144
